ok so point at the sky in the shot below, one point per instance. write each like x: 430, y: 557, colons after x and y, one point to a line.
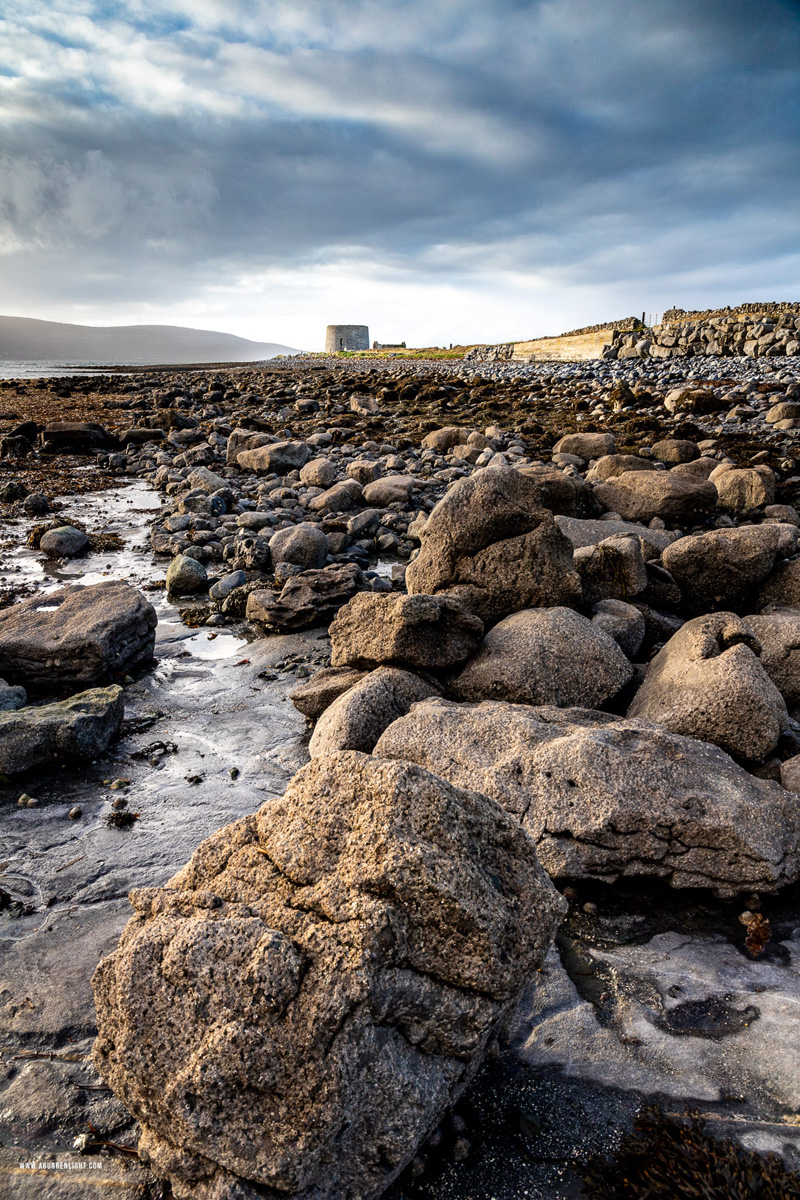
x: 441, y: 170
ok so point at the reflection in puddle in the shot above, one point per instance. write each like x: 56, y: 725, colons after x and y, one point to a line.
x: 204, y: 645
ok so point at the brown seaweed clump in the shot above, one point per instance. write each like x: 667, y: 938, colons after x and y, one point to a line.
x: 676, y: 1159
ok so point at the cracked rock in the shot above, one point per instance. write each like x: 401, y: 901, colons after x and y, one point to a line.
x: 297, y: 1009
x: 604, y: 796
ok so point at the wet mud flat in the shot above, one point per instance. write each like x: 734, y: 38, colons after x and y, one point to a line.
x: 649, y: 995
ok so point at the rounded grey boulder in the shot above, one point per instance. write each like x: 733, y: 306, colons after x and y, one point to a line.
x: 545, y: 656
x: 186, y: 576
x: 64, y: 542
x: 304, y: 545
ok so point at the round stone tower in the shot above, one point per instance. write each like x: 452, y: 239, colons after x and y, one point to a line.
x: 346, y: 337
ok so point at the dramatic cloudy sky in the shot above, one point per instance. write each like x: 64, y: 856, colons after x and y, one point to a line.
x: 444, y: 170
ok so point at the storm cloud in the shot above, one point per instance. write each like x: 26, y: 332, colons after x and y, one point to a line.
x: 451, y: 167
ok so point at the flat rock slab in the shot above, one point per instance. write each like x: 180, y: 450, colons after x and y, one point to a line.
x: 76, y: 637
x: 82, y: 727
x: 605, y: 797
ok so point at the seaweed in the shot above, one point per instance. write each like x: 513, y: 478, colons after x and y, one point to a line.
x: 673, y: 1157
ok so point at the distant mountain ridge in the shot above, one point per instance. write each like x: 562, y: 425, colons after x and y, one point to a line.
x: 27, y: 339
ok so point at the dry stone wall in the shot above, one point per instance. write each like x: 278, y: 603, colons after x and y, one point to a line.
x: 727, y: 336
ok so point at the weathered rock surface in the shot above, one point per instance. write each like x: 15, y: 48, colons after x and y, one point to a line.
x: 425, y: 633
x: 358, y: 717
x: 76, y: 637
x: 778, y: 631
x: 603, y: 796
x: 708, y: 682
x: 298, y: 1008
x: 82, y: 727
x: 308, y: 598
x: 717, y: 569
x: 545, y: 656
x: 489, y: 544
x: 642, y: 495
x: 319, y: 692
x: 559, y: 492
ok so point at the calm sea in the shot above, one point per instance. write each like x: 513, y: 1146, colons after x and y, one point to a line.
x: 19, y: 369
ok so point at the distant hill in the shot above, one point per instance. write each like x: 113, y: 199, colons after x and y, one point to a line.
x: 25, y: 339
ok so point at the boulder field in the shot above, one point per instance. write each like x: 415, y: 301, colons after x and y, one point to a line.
x: 551, y: 658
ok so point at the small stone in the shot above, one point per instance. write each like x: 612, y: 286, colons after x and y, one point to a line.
x: 119, y: 803
x: 75, y: 812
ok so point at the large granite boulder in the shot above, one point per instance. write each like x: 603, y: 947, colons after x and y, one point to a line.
x: 717, y: 569
x: 605, y: 797
x: 488, y: 543
x: 545, y: 656
x: 310, y: 598
x: 293, y: 1014
x: 82, y: 727
x: 76, y: 637
x: 357, y: 718
x: 425, y: 633
x: 642, y: 495
x: 778, y: 631
x: 708, y: 682
x: 617, y: 464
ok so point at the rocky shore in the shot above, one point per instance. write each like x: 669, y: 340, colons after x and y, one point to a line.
x: 442, y: 721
